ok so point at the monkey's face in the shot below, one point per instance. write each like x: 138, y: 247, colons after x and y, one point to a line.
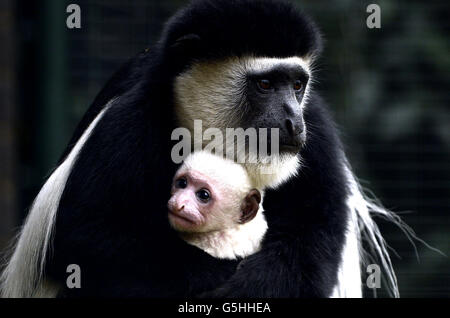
x: 274, y: 95
x: 198, y: 204
x: 246, y: 92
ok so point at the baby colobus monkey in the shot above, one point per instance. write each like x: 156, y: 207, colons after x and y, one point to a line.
x: 215, y: 207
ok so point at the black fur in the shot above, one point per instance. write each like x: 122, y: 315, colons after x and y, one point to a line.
x: 112, y: 217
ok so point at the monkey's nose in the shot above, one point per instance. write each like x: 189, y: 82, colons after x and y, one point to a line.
x: 180, y: 208
x: 292, y: 128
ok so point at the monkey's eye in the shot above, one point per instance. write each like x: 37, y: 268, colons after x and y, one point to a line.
x: 203, y: 195
x: 264, y: 84
x: 181, y: 183
x: 298, y: 85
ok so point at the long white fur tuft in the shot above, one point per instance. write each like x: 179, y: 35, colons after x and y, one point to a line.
x: 23, y: 274
x: 362, y: 227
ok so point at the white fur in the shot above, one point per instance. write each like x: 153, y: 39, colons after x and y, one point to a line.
x: 232, y: 239
x: 23, y: 275
x: 277, y: 171
x: 349, y: 275
x: 361, y: 224
x: 268, y: 63
x: 232, y: 175
x: 240, y: 241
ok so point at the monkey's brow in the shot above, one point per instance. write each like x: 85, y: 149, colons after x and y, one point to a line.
x: 280, y: 72
x: 198, y: 180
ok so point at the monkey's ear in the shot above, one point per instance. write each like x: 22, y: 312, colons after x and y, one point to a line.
x: 250, y: 206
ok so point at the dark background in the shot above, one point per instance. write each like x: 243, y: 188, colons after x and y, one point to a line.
x: 388, y: 89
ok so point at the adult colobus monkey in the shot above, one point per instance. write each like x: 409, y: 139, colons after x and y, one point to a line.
x: 230, y: 64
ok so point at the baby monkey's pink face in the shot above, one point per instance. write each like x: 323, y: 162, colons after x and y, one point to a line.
x: 201, y: 204
x: 192, y: 199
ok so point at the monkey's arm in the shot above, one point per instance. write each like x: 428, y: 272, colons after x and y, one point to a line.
x: 289, y: 265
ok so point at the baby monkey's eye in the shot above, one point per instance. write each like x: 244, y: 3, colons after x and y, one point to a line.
x: 181, y: 183
x: 203, y: 195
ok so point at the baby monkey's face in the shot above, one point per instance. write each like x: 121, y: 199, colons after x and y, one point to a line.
x: 201, y: 203
x: 193, y: 200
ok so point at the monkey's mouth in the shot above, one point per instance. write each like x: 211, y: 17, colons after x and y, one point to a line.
x: 291, y: 148
x: 182, y: 219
